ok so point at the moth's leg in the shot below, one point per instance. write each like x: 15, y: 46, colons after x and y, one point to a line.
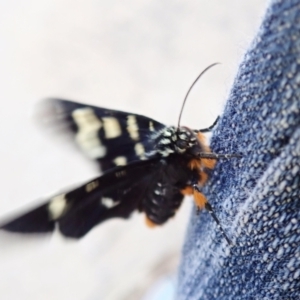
x: 211, y: 155
x: 199, y: 198
x: 201, y: 202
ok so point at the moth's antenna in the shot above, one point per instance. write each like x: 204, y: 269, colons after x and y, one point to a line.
x: 206, y: 69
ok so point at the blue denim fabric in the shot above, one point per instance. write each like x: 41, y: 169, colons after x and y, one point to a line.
x: 257, y: 198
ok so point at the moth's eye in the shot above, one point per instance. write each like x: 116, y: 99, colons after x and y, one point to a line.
x: 182, y: 144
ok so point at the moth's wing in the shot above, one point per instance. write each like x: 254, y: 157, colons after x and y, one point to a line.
x: 108, y: 136
x: 117, y: 193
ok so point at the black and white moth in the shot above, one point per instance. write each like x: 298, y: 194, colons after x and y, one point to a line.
x: 147, y: 166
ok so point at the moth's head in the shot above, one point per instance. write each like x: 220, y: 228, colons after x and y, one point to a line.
x: 180, y: 140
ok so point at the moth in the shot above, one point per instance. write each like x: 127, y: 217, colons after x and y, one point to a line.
x: 147, y: 166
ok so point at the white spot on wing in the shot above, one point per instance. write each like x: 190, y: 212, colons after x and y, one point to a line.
x: 57, y: 206
x: 109, y: 203
x: 120, y: 161
x: 132, y: 127
x: 91, y: 186
x: 87, y: 136
x: 139, y: 150
x: 112, y: 127
x: 151, y: 127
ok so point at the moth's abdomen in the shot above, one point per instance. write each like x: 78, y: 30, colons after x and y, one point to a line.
x: 161, y: 203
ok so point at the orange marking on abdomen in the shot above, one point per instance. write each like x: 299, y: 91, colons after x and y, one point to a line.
x: 149, y: 223
x: 187, y: 191
x: 195, y: 164
x: 199, y: 199
x: 208, y: 163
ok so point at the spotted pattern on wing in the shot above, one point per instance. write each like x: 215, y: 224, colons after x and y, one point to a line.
x: 120, y: 161
x: 87, y: 135
x: 132, y: 127
x: 57, y: 206
x: 110, y: 137
x: 111, y: 127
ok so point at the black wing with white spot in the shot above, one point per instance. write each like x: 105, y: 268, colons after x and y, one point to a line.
x: 117, y: 193
x: 111, y: 137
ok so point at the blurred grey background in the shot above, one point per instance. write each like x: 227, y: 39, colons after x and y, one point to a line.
x: 138, y: 56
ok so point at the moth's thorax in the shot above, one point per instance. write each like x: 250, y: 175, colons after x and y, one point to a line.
x: 173, y: 140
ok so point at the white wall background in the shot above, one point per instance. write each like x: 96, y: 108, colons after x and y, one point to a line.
x: 139, y: 56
